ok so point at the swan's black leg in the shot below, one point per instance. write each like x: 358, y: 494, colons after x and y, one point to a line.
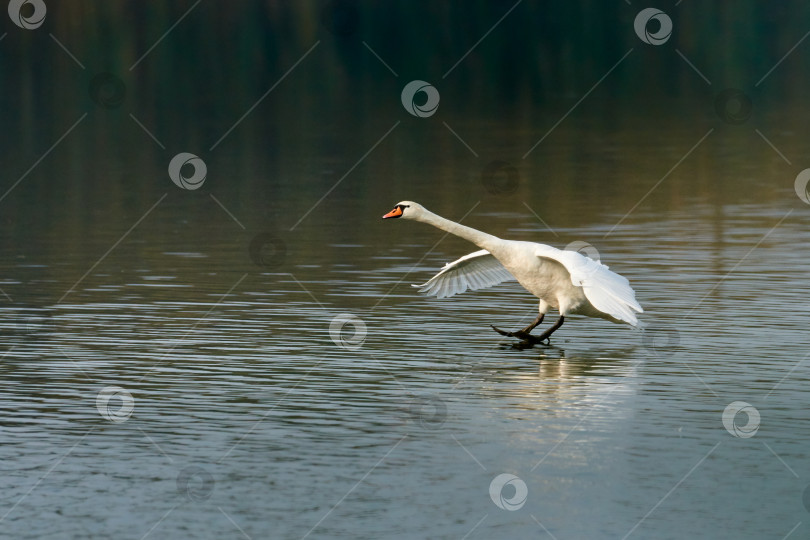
x: 532, y: 326
x: 526, y: 336
x: 551, y: 330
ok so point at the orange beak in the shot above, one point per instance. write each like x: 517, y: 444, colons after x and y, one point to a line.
x: 396, y: 212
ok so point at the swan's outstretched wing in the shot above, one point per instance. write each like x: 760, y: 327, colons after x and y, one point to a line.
x: 607, y: 291
x: 474, y: 271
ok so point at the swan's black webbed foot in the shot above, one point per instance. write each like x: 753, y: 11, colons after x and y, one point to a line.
x: 502, y: 332
x: 524, y: 336
x: 527, y: 337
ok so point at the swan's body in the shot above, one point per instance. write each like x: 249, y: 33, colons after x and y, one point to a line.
x: 563, y: 280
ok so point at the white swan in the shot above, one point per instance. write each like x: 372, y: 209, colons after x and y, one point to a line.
x: 564, y: 280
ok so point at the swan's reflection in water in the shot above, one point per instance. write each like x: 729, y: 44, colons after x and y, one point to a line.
x: 551, y: 369
x: 549, y: 392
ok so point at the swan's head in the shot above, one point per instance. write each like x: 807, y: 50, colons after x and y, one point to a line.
x: 406, y: 210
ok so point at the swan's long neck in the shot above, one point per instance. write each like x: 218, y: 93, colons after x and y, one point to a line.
x: 480, y: 239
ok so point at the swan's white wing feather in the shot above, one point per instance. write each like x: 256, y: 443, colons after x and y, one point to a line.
x: 607, y: 291
x: 477, y: 270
